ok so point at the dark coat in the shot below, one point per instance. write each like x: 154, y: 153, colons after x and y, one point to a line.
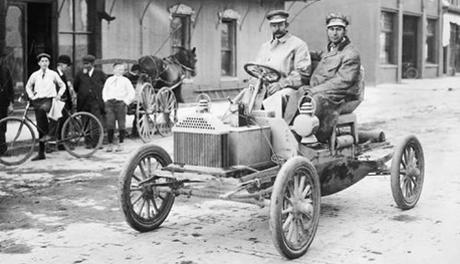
x: 89, y: 90
x: 66, y: 97
x: 6, y: 87
x: 337, y: 75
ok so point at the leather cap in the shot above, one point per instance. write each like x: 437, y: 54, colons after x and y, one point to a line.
x: 277, y: 16
x: 88, y: 59
x: 43, y: 54
x: 336, y: 19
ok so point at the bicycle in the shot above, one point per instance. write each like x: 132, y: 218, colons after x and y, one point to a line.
x: 82, y: 134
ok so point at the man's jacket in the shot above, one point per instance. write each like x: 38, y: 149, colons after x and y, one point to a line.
x: 337, y: 75
x: 6, y: 86
x: 89, y: 89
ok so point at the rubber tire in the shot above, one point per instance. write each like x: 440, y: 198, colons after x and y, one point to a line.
x: 398, y: 197
x: 124, y: 187
x: 286, y: 172
x: 30, y: 150
x: 65, y: 142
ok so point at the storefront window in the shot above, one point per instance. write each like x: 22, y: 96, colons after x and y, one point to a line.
x: 431, y: 41
x: 387, y: 38
x: 228, y: 47
x: 180, y: 32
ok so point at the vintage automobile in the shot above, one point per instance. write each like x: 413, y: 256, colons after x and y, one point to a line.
x: 272, y: 161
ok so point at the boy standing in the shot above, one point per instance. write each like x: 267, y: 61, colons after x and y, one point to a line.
x: 117, y: 93
x: 41, y: 89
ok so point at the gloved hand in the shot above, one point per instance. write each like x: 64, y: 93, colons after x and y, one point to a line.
x: 273, y: 88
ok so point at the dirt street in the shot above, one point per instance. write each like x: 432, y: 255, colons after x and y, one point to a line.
x: 65, y: 210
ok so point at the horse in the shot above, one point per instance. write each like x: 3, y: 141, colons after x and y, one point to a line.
x: 169, y: 71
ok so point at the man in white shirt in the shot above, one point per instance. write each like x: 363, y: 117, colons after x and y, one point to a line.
x: 41, y: 89
x: 117, y: 94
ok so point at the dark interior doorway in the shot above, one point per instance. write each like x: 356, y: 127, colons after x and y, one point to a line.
x: 410, y: 45
x: 39, y: 28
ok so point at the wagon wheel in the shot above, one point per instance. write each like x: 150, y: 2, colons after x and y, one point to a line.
x: 145, y: 112
x: 144, y: 206
x: 295, y: 207
x: 166, y: 108
x: 407, y: 173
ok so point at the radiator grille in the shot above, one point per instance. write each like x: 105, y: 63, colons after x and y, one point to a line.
x: 201, y: 149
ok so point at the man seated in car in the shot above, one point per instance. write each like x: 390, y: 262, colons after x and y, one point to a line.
x: 336, y: 79
x: 290, y: 56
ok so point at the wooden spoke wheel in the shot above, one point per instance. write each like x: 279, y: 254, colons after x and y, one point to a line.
x: 166, y: 107
x: 295, y: 207
x: 145, y: 206
x: 407, y: 173
x: 145, y: 112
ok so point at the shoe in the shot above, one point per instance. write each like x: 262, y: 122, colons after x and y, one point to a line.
x: 61, y: 147
x: 119, y: 148
x: 49, y: 149
x: 109, y: 148
x: 40, y: 156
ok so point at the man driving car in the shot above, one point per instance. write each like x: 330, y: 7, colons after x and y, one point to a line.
x: 290, y: 56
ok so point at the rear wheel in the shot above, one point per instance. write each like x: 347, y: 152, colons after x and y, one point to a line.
x: 145, y: 112
x: 295, y: 207
x: 145, y: 206
x: 166, y: 117
x: 19, y: 141
x: 82, y: 134
x: 407, y: 173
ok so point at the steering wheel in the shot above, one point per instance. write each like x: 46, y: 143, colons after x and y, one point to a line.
x: 262, y: 72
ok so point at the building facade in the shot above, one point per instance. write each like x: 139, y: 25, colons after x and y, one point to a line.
x: 451, y: 36
x: 226, y: 34
x: 393, y: 36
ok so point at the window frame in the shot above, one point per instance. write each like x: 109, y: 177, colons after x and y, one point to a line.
x: 431, y: 37
x: 390, y: 38
x: 231, y: 25
x: 185, y: 32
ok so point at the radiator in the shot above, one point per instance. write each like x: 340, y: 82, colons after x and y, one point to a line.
x: 201, y: 141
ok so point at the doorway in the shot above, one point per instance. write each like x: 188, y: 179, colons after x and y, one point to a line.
x: 410, y: 47
x: 30, y: 30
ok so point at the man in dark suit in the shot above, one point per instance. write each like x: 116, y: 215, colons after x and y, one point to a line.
x: 88, y: 85
x: 6, y: 100
x: 63, y: 62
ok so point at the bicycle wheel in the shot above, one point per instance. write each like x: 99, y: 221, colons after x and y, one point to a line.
x: 82, y: 134
x: 19, y: 141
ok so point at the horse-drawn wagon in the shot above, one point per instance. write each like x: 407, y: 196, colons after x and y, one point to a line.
x: 158, y: 91
x: 272, y: 161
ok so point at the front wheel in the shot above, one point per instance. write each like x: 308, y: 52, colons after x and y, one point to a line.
x: 18, y: 142
x: 82, y: 134
x: 295, y: 207
x: 407, y: 173
x: 144, y: 205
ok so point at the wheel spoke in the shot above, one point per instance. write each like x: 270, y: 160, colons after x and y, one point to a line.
x: 307, y: 191
x: 141, y: 167
x: 148, y: 209
x: 155, y: 207
x: 141, y: 208
x: 137, y: 200
x: 287, y: 210
x: 288, y: 221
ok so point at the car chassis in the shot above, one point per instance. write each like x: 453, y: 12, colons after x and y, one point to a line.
x: 292, y: 176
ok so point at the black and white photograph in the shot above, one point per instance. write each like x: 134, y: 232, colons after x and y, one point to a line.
x: 229, y: 131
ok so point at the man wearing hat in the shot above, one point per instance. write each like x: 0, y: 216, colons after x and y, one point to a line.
x: 88, y: 85
x: 337, y: 79
x: 63, y: 63
x: 41, y: 89
x: 290, y: 56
